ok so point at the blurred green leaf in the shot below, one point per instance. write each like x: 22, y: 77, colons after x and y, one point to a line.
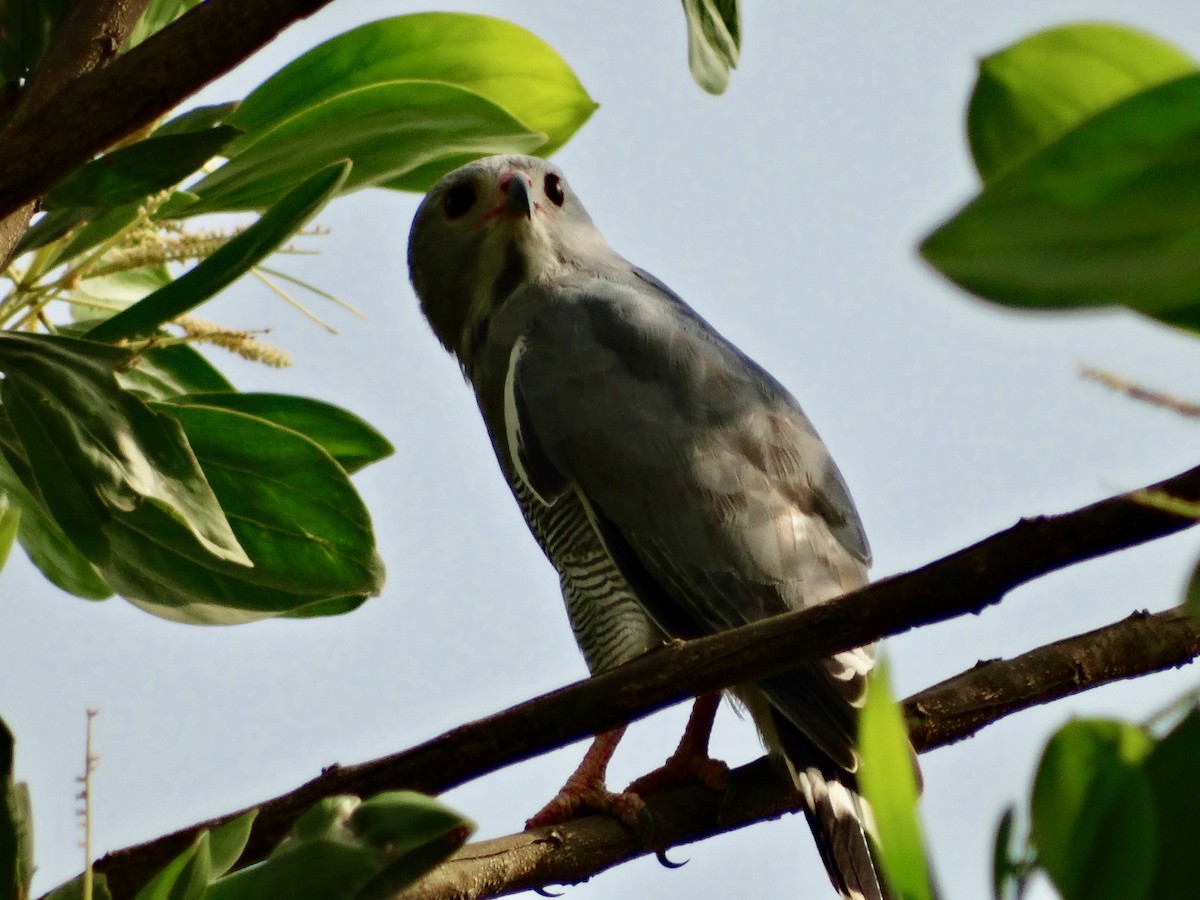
x: 100, y: 226
x: 344, y: 848
x: 1092, y: 815
x: 229, y: 262
x: 133, y: 173
x: 1174, y: 778
x: 887, y: 778
x: 292, y: 508
x: 98, y: 454
x: 121, y: 288
x: 52, y: 226
x: 714, y: 29
x: 407, y: 99
x: 183, y: 878
x: 226, y: 842
x: 158, y: 15
x: 343, y: 435
x: 1030, y: 94
x: 1108, y: 214
x: 201, y: 118
x: 388, y: 130
x: 16, y: 825
x: 73, y: 889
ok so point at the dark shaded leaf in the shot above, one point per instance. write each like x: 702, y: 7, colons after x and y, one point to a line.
x: 133, y: 173
x: 343, y: 435
x: 27, y: 27
x: 1092, y: 816
x: 1174, y: 777
x: 16, y: 825
x: 201, y: 118
x: 229, y: 262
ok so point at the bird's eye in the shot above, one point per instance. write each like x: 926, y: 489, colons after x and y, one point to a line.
x: 458, y: 201
x: 554, y: 189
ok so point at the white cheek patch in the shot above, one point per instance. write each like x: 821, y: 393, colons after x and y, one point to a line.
x: 512, y: 422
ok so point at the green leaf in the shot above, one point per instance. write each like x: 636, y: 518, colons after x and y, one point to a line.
x: 343, y: 435
x: 1174, y: 786
x: 341, y: 848
x: 1191, y: 600
x: 1091, y: 812
x: 158, y: 15
x: 226, y: 842
x: 121, y: 288
x: 27, y: 27
x: 52, y: 226
x: 183, y: 878
x: 292, y: 508
x: 1030, y: 94
x: 73, y: 889
x: 229, y: 262
x: 1108, y: 214
x: 10, y: 523
x: 714, y: 30
x: 201, y: 118
x: 388, y: 130
x: 101, y: 226
x: 887, y: 778
x: 45, y: 543
x: 169, y: 371
x: 487, y: 57
x: 134, y: 172
x: 98, y: 454
x: 16, y: 825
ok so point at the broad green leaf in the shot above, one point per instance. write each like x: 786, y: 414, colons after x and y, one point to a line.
x: 292, y: 508
x: 1108, y: 214
x: 158, y: 15
x: 120, y: 289
x: 1174, y: 786
x: 388, y: 130
x: 98, y: 454
x: 183, y: 878
x: 1092, y: 815
x: 229, y: 262
x: 134, y: 172
x: 714, y: 29
x: 45, y: 543
x: 491, y: 58
x: 887, y: 778
x: 201, y: 118
x: 343, y: 435
x: 1030, y: 94
x: 16, y: 825
x: 338, y: 606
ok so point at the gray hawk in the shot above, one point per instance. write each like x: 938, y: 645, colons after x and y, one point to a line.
x: 677, y: 487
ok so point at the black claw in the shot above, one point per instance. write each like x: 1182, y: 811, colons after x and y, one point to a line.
x: 546, y: 893
x: 668, y: 864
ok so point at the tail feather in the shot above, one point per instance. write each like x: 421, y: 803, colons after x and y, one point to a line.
x: 839, y: 817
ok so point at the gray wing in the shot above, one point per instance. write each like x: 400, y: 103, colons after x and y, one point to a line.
x: 707, y: 483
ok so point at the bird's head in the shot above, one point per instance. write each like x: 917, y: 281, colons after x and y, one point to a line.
x: 487, y: 229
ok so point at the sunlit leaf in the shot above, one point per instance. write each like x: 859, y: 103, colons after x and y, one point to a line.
x: 158, y: 15
x: 183, y: 878
x: 229, y: 262
x: 1030, y: 94
x: 714, y: 32
x: 887, y: 778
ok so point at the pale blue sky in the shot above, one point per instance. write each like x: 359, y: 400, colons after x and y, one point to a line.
x: 786, y: 212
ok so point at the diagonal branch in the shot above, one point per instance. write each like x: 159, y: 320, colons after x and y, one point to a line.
x: 135, y: 89
x: 964, y: 582
x: 939, y: 715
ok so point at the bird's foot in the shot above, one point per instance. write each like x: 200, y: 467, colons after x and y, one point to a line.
x: 685, y: 767
x: 581, y: 797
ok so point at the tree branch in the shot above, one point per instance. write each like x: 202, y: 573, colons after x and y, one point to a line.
x: 88, y: 39
x: 964, y: 582
x: 942, y: 714
x: 135, y: 89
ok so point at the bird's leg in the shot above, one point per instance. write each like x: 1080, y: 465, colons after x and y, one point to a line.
x: 586, y: 791
x: 690, y: 763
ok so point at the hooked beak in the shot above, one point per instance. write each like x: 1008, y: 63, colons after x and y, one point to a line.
x: 518, y: 194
